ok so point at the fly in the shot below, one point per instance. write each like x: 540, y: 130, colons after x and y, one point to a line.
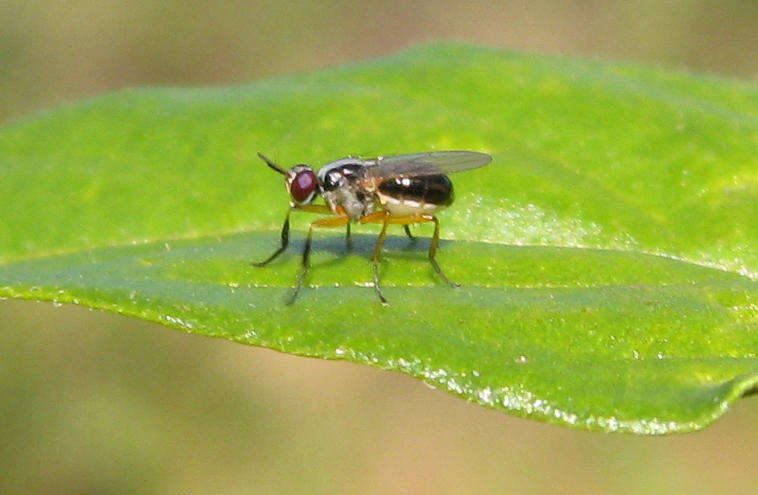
x: 401, y: 190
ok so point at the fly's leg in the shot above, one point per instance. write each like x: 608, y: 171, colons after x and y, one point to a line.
x: 408, y: 233
x: 321, y: 209
x: 325, y: 210
x: 324, y: 222
x: 385, y: 219
x: 305, y: 267
x: 377, y: 258
x: 433, y: 253
x: 412, y: 219
x: 285, y: 242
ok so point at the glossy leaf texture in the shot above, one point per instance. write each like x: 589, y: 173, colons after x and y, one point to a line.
x: 608, y: 255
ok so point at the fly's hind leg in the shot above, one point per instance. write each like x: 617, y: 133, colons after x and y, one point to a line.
x: 433, y: 253
x: 324, y: 222
x: 405, y: 221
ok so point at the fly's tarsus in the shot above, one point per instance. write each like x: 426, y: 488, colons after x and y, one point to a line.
x: 282, y: 248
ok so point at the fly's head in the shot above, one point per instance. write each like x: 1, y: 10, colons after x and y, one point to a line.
x: 300, y: 181
x: 302, y: 185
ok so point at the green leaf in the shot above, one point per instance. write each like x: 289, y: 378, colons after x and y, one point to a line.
x: 608, y: 254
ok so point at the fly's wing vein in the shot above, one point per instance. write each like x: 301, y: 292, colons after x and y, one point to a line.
x: 428, y: 163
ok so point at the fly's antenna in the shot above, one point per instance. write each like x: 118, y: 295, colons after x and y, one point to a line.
x: 271, y: 164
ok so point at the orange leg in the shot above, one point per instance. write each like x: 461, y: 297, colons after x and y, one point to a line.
x: 385, y: 218
x: 433, y: 253
x: 378, y: 217
x: 324, y: 222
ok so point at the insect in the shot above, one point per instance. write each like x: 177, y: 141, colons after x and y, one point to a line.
x: 401, y: 190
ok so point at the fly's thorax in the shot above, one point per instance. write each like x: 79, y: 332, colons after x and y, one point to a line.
x: 354, y: 201
x: 341, y: 184
x: 340, y: 173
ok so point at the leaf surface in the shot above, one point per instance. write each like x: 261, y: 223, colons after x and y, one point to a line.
x: 607, y: 255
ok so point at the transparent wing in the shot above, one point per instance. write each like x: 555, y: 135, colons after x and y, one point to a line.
x: 429, y: 163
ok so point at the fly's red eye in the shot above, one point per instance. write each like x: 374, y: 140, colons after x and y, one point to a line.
x: 303, y: 186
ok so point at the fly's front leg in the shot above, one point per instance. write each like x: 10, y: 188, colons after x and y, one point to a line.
x: 324, y: 209
x: 324, y: 222
x: 285, y: 242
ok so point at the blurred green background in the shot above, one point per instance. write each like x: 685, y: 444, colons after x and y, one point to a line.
x: 96, y: 403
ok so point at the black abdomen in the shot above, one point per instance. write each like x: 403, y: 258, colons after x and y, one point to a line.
x: 428, y: 189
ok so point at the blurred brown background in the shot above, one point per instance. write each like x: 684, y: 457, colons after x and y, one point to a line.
x: 95, y: 403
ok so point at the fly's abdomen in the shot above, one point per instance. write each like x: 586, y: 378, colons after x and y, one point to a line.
x: 415, y: 195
